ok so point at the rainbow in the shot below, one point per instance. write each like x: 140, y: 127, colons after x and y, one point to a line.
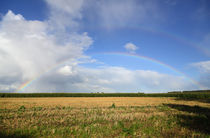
x: 172, y: 36
x: 29, y: 82
x: 146, y: 29
x: 159, y: 63
x: 25, y: 84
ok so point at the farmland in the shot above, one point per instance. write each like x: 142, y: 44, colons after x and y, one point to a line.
x: 104, y: 117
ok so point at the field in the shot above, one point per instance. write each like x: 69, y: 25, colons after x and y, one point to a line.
x: 104, y: 117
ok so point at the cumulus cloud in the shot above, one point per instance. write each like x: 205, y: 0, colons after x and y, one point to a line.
x: 28, y: 49
x: 108, y: 79
x: 66, y: 70
x: 130, y: 47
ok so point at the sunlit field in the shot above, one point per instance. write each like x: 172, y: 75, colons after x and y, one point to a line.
x: 104, y: 117
x: 105, y: 68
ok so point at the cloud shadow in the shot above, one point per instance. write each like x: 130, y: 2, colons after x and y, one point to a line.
x: 198, y: 121
x: 4, y: 135
x: 206, y: 100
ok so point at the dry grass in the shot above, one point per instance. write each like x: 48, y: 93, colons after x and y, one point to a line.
x: 96, y: 117
x: 11, y: 103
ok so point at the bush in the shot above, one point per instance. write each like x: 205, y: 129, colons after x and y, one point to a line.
x: 113, y: 105
x: 22, y: 108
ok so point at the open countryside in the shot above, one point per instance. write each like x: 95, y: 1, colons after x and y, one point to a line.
x: 104, y: 117
x: 104, y: 68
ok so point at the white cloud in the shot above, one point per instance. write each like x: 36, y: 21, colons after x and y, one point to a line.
x: 66, y: 70
x: 203, y: 66
x: 131, y: 47
x: 72, y: 7
x: 204, y: 69
x: 114, y: 13
x: 110, y: 79
x: 64, y: 13
x: 27, y: 49
x: 104, y: 13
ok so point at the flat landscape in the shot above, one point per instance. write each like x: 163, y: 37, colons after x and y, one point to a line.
x: 105, y: 68
x: 104, y: 117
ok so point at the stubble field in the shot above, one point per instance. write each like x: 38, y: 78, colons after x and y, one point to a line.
x: 104, y: 117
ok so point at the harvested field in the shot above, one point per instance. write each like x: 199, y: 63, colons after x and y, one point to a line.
x: 103, y: 117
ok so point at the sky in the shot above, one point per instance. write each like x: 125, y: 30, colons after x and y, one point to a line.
x: 104, y: 45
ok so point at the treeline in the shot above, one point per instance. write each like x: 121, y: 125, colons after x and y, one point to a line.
x: 193, y: 91
x: 72, y: 94
x: 183, y: 95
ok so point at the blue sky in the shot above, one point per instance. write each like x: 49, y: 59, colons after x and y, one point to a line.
x: 110, y: 46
